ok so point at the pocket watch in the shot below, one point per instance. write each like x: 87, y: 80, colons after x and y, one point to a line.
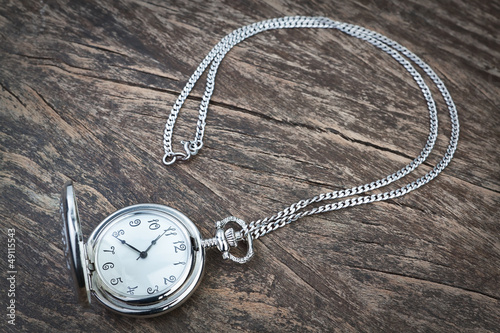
x: 142, y: 260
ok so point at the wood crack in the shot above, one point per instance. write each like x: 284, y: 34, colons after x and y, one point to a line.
x: 12, y: 94
x: 465, y: 289
x: 147, y: 73
x: 48, y: 105
x: 424, y: 260
x: 101, y: 48
x: 313, y: 128
x: 56, y: 61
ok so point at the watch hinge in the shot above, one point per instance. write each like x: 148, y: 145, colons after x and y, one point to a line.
x: 90, y: 265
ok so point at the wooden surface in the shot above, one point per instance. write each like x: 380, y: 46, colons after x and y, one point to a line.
x: 86, y: 87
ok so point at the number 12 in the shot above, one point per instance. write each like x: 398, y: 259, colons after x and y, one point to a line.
x: 181, y: 247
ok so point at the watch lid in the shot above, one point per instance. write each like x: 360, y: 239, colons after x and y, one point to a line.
x: 74, y: 246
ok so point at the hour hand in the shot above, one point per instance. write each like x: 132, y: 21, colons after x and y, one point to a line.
x: 124, y: 242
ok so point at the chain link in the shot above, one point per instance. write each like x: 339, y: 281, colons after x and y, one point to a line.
x: 296, y: 211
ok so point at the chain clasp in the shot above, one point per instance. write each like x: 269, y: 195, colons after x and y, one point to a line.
x: 171, y: 157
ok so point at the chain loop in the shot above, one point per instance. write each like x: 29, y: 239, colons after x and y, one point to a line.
x: 402, y: 55
x: 172, y: 157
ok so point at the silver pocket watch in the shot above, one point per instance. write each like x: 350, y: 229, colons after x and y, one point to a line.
x: 142, y: 260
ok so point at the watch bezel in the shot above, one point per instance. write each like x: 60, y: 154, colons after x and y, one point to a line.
x: 151, y: 305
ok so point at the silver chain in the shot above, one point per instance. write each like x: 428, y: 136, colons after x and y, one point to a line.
x: 402, y: 55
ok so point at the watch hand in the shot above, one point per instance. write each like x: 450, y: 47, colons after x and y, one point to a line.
x: 124, y: 242
x: 144, y: 254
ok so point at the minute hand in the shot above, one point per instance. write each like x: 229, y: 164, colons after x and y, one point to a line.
x: 153, y: 242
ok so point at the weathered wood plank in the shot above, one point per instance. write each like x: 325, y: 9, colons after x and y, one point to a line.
x: 85, y: 91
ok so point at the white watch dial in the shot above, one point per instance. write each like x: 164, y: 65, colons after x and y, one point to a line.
x: 142, y: 254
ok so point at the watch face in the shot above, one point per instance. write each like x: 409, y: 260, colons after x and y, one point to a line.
x: 143, y: 253
x: 146, y: 259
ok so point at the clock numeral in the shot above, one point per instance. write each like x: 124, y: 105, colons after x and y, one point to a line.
x: 152, y: 291
x: 108, y: 265
x: 167, y: 233
x: 169, y: 279
x: 114, y: 282
x: 112, y: 250
x: 135, y: 223
x: 154, y: 224
x: 180, y: 263
x: 131, y: 290
x: 118, y: 233
x: 181, y: 247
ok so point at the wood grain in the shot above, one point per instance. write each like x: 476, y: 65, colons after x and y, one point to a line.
x: 86, y: 87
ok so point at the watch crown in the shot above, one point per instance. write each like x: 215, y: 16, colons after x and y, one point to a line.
x: 225, y: 239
